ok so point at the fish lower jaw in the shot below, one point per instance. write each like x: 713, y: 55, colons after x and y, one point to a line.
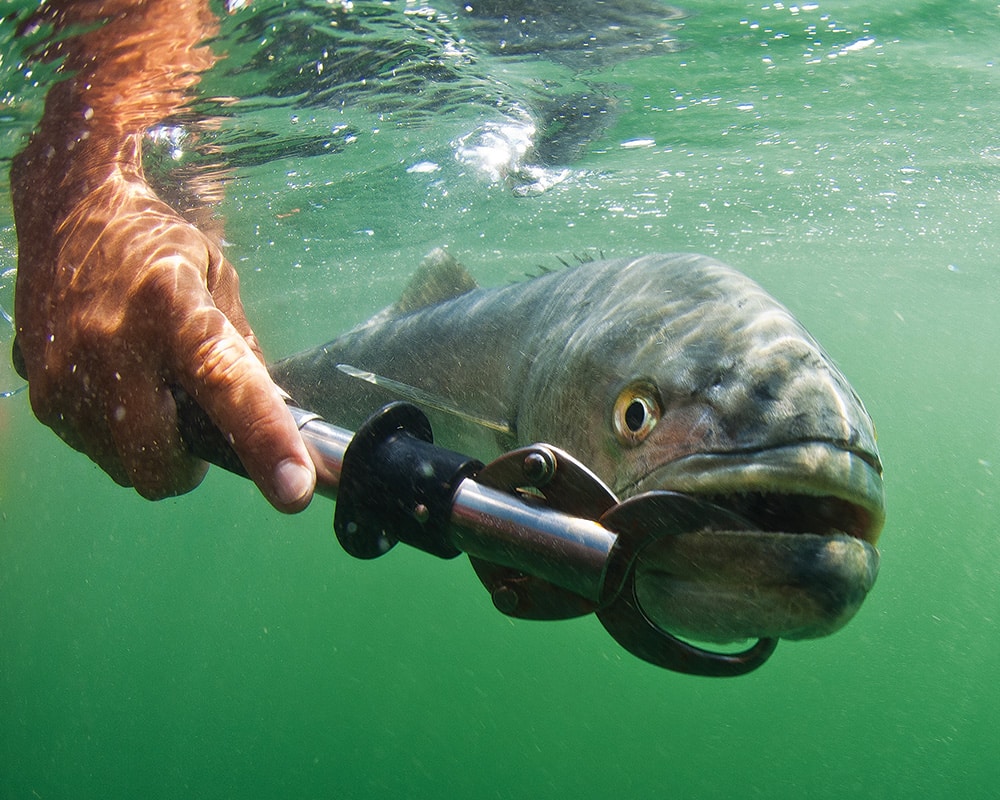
x: 813, y: 488
x: 726, y: 586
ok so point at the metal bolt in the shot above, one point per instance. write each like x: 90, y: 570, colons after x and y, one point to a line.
x: 505, y: 600
x: 539, y: 467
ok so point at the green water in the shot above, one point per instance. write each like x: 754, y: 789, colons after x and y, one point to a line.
x: 843, y: 154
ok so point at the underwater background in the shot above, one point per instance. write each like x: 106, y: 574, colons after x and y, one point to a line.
x: 844, y: 154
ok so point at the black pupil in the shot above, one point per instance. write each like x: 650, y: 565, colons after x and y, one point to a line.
x: 635, y: 415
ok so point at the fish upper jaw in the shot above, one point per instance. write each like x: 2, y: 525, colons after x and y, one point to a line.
x: 810, y: 487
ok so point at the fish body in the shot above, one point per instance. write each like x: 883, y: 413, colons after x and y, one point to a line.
x: 669, y: 371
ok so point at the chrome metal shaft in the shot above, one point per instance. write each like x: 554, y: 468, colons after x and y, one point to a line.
x: 497, y: 526
x: 326, y: 444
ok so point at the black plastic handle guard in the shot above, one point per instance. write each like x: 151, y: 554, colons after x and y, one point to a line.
x: 396, y: 485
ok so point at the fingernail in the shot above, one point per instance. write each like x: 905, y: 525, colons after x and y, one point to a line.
x: 292, y: 482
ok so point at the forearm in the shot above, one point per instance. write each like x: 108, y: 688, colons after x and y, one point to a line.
x: 124, y: 75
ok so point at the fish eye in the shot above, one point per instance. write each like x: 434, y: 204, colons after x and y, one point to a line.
x: 636, y: 412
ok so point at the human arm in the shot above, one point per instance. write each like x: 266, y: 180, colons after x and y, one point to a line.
x: 119, y: 299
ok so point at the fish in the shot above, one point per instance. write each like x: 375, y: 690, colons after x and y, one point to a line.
x: 665, y: 372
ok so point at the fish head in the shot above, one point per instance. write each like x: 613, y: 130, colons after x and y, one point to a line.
x: 684, y: 375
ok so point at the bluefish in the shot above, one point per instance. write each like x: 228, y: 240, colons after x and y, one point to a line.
x: 669, y: 371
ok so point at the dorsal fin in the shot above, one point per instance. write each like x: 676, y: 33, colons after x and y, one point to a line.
x: 425, y: 398
x: 438, y: 278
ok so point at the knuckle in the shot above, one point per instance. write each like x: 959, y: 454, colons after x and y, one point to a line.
x: 220, y: 270
x: 230, y: 378
x: 171, y: 284
x: 219, y: 361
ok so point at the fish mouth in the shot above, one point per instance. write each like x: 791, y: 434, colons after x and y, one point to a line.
x: 796, y: 558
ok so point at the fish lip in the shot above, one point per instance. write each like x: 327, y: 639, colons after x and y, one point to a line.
x: 811, y: 487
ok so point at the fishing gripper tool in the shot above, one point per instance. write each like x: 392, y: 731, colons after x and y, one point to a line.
x: 547, y: 538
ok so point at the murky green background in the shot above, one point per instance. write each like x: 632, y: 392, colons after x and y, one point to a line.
x: 844, y: 154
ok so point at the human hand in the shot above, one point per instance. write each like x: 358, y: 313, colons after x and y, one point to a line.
x: 118, y: 301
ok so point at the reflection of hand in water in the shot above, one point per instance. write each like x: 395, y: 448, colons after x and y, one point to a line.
x: 118, y: 297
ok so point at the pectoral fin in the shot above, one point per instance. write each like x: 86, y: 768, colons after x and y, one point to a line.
x: 424, y: 398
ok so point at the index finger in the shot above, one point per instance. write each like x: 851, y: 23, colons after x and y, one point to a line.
x: 222, y: 373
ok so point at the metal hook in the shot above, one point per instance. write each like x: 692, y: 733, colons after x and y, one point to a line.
x: 628, y: 625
